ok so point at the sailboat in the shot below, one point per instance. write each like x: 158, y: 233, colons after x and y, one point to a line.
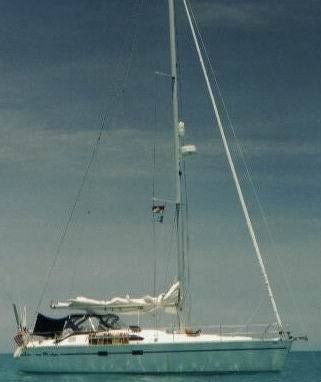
x: 91, y: 338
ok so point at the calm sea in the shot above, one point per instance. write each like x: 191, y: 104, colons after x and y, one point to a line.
x: 301, y: 367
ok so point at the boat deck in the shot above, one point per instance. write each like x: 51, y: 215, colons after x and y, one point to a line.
x: 145, y: 336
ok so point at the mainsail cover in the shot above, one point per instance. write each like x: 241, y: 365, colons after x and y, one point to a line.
x: 167, y: 301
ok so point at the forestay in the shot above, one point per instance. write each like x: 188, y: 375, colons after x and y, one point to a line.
x: 126, y: 305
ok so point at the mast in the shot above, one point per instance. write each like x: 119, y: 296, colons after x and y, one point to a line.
x: 178, y: 161
x: 234, y: 174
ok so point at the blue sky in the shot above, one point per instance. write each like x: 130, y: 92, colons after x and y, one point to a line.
x: 65, y: 63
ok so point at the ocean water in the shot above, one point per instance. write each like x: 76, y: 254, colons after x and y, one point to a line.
x: 301, y: 367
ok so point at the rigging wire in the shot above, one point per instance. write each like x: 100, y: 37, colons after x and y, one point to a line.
x: 157, y: 239
x: 184, y: 210
x: 121, y: 81
x: 124, y: 82
x: 133, y: 46
x: 73, y: 209
x: 153, y: 191
x: 187, y: 249
x: 179, y: 72
x: 77, y: 224
x: 247, y: 169
x: 233, y: 171
x: 169, y: 251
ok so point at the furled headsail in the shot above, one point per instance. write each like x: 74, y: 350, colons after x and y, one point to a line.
x: 167, y: 301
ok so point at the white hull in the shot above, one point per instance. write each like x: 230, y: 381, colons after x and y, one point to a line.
x: 191, y: 356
